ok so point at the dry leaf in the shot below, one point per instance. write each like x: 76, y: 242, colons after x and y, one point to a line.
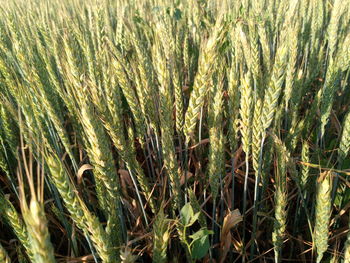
x: 125, y: 176
x: 81, y: 171
x: 182, y: 179
x: 230, y: 220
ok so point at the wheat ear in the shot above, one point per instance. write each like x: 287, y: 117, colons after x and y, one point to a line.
x: 200, y: 87
x: 322, y: 214
x: 305, y: 157
x: 161, y: 236
x: 87, y: 222
x: 113, y: 122
x: 216, y: 166
x: 165, y: 32
x: 15, y: 221
x: 38, y: 233
x: 280, y: 199
x: 344, y: 144
x: 166, y: 108
x: 246, y: 131
x: 4, y: 257
x: 347, y: 250
x: 99, y: 151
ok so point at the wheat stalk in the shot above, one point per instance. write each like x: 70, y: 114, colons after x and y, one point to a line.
x: 245, y: 112
x: 167, y: 124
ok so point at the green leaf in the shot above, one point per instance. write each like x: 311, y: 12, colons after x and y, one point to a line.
x: 177, y: 14
x: 193, y: 219
x: 137, y: 19
x: 186, y: 214
x: 200, y: 247
x: 200, y: 233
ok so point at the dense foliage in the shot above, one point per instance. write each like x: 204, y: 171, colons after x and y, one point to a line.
x: 174, y: 131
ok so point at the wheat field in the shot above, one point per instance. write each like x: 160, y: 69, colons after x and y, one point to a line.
x: 174, y: 131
